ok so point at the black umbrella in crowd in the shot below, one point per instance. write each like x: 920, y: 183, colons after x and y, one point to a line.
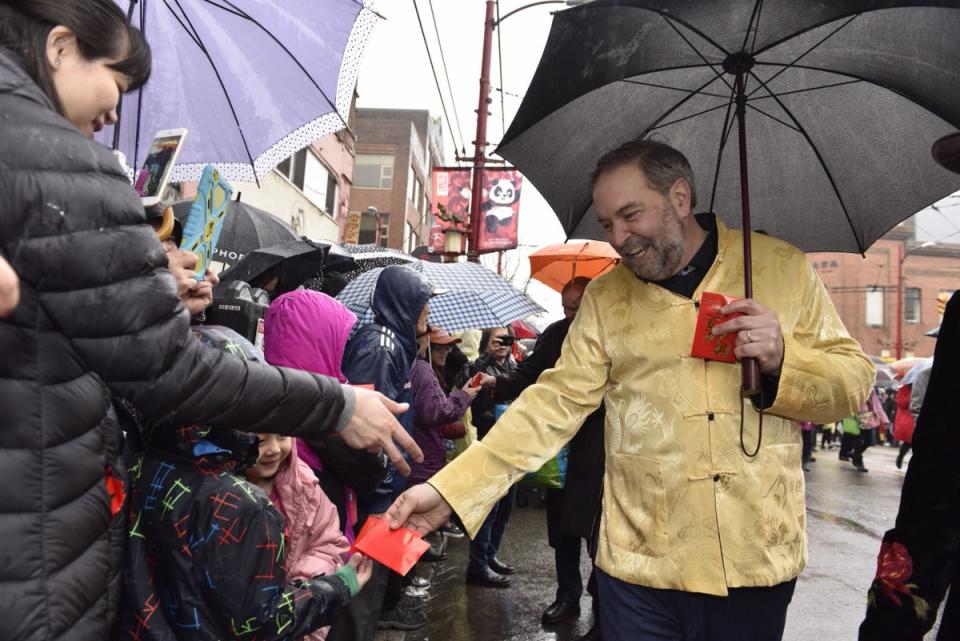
x: 836, y: 105
x: 293, y: 263
x: 245, y: 229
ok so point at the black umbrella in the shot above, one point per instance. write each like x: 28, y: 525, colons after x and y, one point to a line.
x: 292, y: 263
x: 837, y: 104
x: 245, y: 229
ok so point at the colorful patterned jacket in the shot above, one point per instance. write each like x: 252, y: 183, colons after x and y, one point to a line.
x: 683, y: 506
x: 205, y: 549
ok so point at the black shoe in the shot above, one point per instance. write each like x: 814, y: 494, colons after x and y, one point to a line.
x: 812, y: 459
x: 410, y: 602
x: 500, y: 567
x: 900, y: 461
x: 432, y: 556
x: 860, y: 467
x: 487, y: 579
x: 401, y: 619
x: 559, y: 611
x: 451, y: 531
x: 844, y: 458
x: 593, y: 634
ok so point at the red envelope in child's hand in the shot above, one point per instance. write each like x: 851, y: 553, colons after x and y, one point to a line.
x: 705, y: 344
x: 397, y: 549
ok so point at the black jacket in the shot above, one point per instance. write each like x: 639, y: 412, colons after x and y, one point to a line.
x: 920, y: 558
x: 484, y: 407
x: 586, y: 458
x: 205, y: 558
x: 98, y: 313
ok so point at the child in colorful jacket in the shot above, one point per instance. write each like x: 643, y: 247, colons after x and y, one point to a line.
x: 315, y: 545
x: 205, y: 555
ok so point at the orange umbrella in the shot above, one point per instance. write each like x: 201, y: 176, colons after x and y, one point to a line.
x: 556, y: 265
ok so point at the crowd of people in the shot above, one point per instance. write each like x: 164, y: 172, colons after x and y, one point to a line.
x: 173, y: 482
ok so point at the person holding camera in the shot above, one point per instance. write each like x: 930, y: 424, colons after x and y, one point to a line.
x: 485, y: 569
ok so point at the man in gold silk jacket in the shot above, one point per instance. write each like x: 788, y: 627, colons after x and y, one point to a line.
x: 699, y: 538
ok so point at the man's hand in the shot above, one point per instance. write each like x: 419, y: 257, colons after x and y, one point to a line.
x: 374, y: 428
x: 758, y: 334
x: 420, y: 508
x: 9, y: 288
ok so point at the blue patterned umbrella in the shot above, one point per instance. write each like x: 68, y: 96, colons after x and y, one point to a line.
x: 473, y: 296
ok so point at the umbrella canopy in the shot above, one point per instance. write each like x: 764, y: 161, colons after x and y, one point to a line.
x: 293, y: 262
x: 885, y: 376
x: 472, y: 296
x: 245, y: 229
x: 524, y: 331
x: 556, y: 265
x: 253, y: 80
x: 841, y: 102
x: 371, y: 256
x: 904, y: 365
x: 911, y: 376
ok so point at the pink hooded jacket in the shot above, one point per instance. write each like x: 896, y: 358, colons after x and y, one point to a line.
x: 308, y: 330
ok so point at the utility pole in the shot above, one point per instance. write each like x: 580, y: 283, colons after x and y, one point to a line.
x: 480, y: 143
x: 901, y: 256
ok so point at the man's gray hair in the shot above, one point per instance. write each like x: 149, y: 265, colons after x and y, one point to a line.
x: 660, y: 163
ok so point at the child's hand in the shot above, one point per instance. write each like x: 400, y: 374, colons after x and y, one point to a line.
x: 363, y: 566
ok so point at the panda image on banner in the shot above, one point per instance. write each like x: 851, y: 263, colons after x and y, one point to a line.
x: 499, y: 205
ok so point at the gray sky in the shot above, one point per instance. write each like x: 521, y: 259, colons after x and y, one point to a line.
x: 395, y: 73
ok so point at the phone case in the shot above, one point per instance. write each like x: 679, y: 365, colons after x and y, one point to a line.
x: 201, y: 232
x: 475, y: 380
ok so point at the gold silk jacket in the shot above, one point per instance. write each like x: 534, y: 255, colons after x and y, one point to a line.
x: 683, y: 507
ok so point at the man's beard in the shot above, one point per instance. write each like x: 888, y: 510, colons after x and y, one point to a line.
x: 663, y: 255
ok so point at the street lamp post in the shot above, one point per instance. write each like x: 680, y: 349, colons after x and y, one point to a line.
x: 480, y: 142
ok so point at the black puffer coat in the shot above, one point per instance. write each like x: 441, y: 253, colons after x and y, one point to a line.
x: 99, y: 312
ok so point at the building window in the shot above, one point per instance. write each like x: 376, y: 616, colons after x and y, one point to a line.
x: 384, y: 230
x: 308, y: 174
x: 911, y: 305
x: 875, y: 308
x: 369, y: 226
x: 373, y: 172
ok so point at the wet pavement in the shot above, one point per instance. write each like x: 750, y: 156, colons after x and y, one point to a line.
x: 848, y: 512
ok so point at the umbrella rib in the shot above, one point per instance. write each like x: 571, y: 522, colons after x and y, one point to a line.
x: 750, y: 25
x: 289, y: 53
x: 793, y: 63
x: 688, y: 117
x: 697, y: 51
x: 756, y: 28
x: 725, y: 135
x: 796, y: 91
x: 690, y: 94
x: 823, y: 164
x: 226, y: 94
x: 659, y: 86
x: 774, y: 118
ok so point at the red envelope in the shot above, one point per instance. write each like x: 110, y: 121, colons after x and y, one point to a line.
x: 397, y: 549
x: 705, y: 344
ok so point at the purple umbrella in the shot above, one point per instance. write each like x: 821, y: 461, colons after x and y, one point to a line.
x: 253, y: 80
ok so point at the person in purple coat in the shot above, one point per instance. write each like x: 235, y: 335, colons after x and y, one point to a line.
x: 432, y: 407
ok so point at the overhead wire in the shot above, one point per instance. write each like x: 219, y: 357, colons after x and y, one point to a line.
x: 433, y: 69
x: 443, y: 61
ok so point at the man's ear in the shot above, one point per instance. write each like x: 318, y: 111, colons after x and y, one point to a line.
x: 680, y: 197
x: 61, y: 43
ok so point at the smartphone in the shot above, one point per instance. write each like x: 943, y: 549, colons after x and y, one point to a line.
x: 155, y: 172
x: 475, y: 381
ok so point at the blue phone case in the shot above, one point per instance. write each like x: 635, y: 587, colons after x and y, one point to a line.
x: 201, y: 232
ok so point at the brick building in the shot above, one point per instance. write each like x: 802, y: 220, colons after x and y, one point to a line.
x: 390, y: 198
x: 865, y: 289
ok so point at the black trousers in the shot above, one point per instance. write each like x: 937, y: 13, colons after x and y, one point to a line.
x: 748, y: 614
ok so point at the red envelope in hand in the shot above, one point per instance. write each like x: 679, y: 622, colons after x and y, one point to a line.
x: 397, y: 549
x: 705, y: 344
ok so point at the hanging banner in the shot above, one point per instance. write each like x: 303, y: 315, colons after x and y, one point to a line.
x: 351, y: 231
x: 450, y: 206
x: 499, y: 210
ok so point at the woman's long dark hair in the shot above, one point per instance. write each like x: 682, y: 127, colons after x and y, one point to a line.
x: 101, y: 29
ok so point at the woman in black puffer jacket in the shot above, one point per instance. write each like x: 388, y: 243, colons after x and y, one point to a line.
x: 98, y: 312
